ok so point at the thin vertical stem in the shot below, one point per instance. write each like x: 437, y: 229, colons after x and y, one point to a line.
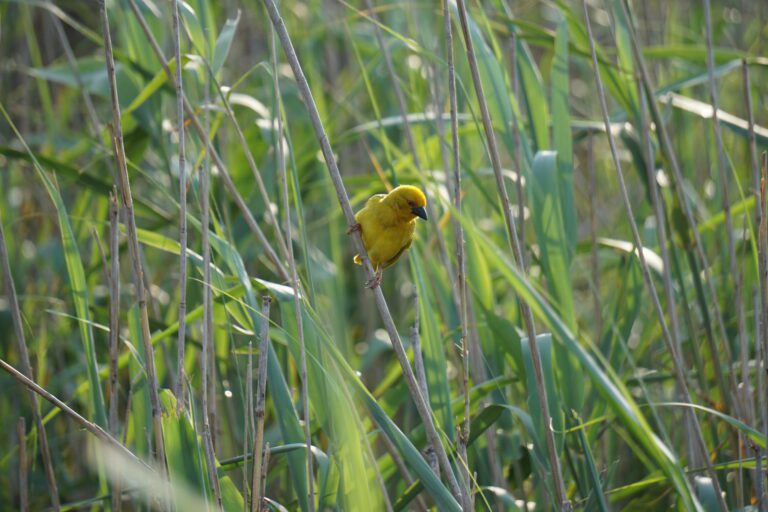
x: 676, y: 357
x: 666, y: 146
x: 755, y: 168
x: 421, y: 405
x: 112, y: 278
x: 762, y: 252
x: 463, y: 303
x: 114, y: 330
x: 202, y: 134
x: 759, y: 452
x: 248, y: 424
x: 114, y: 309
x: 283, y: 177
x: 722, y: 166
x: 661, y: 230
x: 26, y: 368
x: 557, y: 476
x: 181, y: 339
x: 261, y: 390
x: 133, y: 243
x: 21, y: 434
x: 458, y: 233
x: 757, y: 192
x: 207, y: 357
x: 264, y: 468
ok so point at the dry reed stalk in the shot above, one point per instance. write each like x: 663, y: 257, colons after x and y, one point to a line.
x: 208, y: 356
x: 661, y: 230
x: 283, y: 178
x: 261, y: 391
x: 458, y: 233
x: 248, y: 217
x: 761, y: 399
x: 560, y: 494
x: 463, y: 305
x: 669, y: 341
x: 762, y: 251
x: 666, y: 146
x: 114, y: 330
x: 757, y: 194
x: 133, y: 243
x: 381, y: 303
x: 181, y: 338
x: 248, y: 424
x: 264, y: 467
x: 735, y: 270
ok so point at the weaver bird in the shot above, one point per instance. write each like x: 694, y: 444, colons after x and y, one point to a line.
x: 387, y: 223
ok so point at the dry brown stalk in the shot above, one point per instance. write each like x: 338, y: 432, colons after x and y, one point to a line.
x: 261, y: 390
x: 413, y: 387
x: 678, y: 366
x: 560, y: 495
x: 124, y: 187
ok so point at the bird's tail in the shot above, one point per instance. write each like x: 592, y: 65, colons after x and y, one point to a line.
x: 358, y: 261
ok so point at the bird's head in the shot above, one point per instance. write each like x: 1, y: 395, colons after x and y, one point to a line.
x: 408, y: 201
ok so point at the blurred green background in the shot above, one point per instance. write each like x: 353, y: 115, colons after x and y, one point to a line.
x: 622, y: 440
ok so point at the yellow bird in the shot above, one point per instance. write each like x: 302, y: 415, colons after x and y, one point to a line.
x: 387, y: 223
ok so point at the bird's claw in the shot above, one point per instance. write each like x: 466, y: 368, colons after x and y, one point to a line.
x: 375, y: 281
x: 356, y: 227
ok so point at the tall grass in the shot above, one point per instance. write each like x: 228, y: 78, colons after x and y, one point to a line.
x: 593, y: 339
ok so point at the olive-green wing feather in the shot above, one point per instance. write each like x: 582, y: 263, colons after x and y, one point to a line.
x: 397, y: 256
x: 376, y: 198
x: 365, y: 211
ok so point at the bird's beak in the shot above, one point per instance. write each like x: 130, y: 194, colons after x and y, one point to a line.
x: 420, y: 212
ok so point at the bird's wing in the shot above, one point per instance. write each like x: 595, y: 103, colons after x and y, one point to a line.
x: 397, y: 256
x: 370, y: 205
x: 375, y: 199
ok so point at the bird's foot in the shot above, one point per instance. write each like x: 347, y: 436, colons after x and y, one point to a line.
x: 356, y: 227
x: 375, y: 281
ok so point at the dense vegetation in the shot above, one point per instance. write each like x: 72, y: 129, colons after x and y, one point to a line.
x: 156, y: 387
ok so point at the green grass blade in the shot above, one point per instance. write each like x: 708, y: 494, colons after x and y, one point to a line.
x: 604, y: 379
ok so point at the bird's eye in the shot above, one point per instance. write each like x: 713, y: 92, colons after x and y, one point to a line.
x: 411, y: 204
